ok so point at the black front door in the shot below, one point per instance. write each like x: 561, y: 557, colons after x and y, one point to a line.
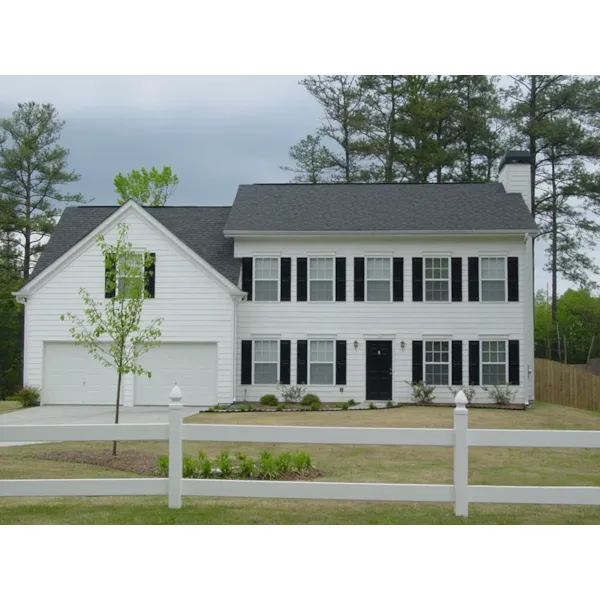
x: 379, y: 370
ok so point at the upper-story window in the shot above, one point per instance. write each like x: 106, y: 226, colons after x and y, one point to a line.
x: 437, y: 279
x: 266, y: 279
x: 130, y: 275
x: 378, y: 280
x: 321, y: 279
x: 493, y: 279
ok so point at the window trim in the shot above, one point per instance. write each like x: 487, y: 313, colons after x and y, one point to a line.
x: 448, y: 258
x: 309, y: 361
x: 254, y: 362
x: 447, y: 340
x: 331, y: 257
x: 496, y: 339
x: 480, y: 266
x: 262, y: 256
x: 140, y: 251
x: 389, y: 258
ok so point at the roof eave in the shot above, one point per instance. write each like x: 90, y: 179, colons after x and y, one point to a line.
x: 230, y: 233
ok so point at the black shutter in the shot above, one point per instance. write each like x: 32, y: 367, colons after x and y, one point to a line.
x: 286, y: 279
x: 340, y: 362
x: 417, y: 361
x: 473, y: 279
x: 340, y: 279
x: 512, y: 267
x: 398, y: 280
x: 150, y: 279
x: 110, y: 275
x: 417, y: 279
x: 246, y: 362
x: 513, y: 362
x: 285, y: 350
x: 301, y: 271
x: 247, y: 276
x: 359, y: 279
x: 474, y: 363
x: 457, y: 280
x: 302, y: 366
x: 457, y: 363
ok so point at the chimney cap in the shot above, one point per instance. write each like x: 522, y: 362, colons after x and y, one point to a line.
x: 515, y: 157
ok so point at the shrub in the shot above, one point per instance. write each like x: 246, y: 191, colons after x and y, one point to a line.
x: 352, y: 402
x: 315, y: 404
x: 284, y: 463
x: 291, y: 393
x: 190, y: 467
x: 371, y: 405
x: 301, y: 462
x: 267, y: 466
x: 345, y: 406
x: 162, y: 466
x: 389, y: 404
x: 309, y: 399
x: 421, y: 392
x: 246, y: 467
x: 500, y: 394
x: 469, y: 392
x: 269, y: 400
x: 27, y: 396
x: 279, y: 408
x: 225, y: 465
x: 205, y: 467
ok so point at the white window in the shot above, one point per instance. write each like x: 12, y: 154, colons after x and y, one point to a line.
x: 321, y: 279
x: 266, y: 279
x: 130, y: 278
x: 437, y: 279
x: 493, y: 363
x: 493, y: 279
x: 266, y: 361
x: 321, y: 362
x: 437, y: 363
x: 378, y: 280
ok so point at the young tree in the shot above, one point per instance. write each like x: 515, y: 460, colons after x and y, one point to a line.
x: 112, y: 330
x: 148, y: 188
x: 33, y: 171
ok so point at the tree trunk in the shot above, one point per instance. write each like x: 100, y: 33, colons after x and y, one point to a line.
x: 554, y: 240
x: 114, y: 450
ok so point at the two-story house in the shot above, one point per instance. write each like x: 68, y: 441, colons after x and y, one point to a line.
x: 350, y: 290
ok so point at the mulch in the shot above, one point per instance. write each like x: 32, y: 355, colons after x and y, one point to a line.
x: 139, y: 463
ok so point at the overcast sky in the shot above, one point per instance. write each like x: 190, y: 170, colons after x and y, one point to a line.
x: 215, y: 132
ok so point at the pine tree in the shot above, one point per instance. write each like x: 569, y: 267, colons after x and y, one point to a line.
x: 312, y: 161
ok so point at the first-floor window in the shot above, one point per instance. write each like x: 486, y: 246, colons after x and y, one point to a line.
x: 493, y: 363
x: 265, y: 361
x: 321, y: 362
x: 437, y: 363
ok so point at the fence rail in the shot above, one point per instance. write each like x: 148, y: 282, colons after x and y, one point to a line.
x: 175, y: 486
x: 558, y: 383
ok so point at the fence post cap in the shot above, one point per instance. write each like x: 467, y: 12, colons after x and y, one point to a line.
x: 460, y: 399
x: 175, y: 394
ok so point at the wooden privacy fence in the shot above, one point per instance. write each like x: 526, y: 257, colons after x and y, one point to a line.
x: 460, y: 437
x: 563, y: 384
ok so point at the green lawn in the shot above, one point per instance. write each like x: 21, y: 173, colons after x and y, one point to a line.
x: 9, y: 406
x: 407, y: 464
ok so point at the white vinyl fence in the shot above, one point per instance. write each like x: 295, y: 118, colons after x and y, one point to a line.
x: 461, y: 438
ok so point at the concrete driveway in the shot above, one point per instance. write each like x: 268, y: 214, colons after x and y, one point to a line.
x: 71, y: 415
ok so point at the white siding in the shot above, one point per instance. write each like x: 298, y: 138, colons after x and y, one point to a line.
x: 399, y: 321
x: 195, y: 308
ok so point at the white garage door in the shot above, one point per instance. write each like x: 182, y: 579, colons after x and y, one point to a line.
x: 192, y: 366
x: 72, y: 376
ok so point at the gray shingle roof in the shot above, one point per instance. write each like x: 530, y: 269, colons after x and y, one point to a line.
x: 199, y: 227
x: 377, y: 207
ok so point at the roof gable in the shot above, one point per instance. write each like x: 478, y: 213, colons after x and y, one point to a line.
x: 199, y: 228
x: 377, y: 207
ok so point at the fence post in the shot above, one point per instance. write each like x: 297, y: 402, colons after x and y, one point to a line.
x: 175, y: 447
x: 461, y: 456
